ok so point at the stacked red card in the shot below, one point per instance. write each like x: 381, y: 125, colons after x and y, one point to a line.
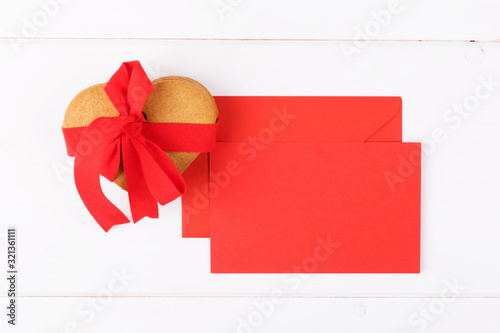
x: 307, y: 184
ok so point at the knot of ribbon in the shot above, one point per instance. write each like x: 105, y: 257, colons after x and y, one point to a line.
x: 129, y: 141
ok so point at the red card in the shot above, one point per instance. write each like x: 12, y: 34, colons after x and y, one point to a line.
x: 255, y: 120
x: 316, y: 207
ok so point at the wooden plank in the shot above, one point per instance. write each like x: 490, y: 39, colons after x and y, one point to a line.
x: 246, y: 315
x: 243, y: 19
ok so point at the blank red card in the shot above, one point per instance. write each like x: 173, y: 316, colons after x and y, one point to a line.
x: 315, y: 207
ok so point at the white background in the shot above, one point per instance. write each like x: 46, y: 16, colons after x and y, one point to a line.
x: 258, y: 47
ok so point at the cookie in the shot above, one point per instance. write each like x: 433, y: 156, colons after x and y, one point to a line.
x: 175, y: 99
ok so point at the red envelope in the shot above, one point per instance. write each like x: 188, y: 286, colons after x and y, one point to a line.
x: 335, y: 119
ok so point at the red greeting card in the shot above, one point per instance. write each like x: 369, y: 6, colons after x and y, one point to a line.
x: 312, y: 184
x: 315, y: 207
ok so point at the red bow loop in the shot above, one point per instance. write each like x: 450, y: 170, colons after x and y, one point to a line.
x: 129, y: 88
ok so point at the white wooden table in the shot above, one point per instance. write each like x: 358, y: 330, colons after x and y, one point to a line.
x: 75, y: 278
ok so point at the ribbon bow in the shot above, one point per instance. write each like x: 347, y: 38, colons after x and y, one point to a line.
x: 151, y: 176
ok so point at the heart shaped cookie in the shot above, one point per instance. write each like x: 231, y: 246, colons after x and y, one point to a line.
x: 175, y: 99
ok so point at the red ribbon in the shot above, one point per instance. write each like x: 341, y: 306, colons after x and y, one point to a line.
x: 151, y: 176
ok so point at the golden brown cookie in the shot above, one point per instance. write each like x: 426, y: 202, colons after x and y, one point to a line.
x: 175, y: 99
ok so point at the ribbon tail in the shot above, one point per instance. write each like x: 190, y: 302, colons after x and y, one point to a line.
x: 142, y: 202
x: 88, y: 161
x: 111, y: 159
x: 164, y: 180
